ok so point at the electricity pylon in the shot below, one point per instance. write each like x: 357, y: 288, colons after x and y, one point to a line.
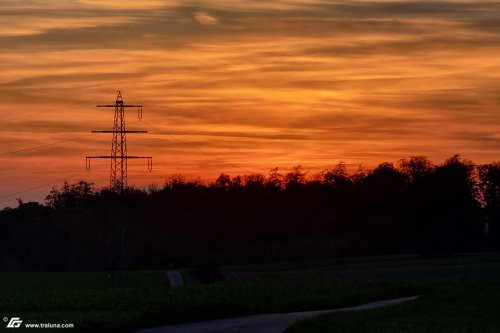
x: 117, y: 227
x: 119, y: 157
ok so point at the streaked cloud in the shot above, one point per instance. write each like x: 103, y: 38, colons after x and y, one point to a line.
x: 244, y: 86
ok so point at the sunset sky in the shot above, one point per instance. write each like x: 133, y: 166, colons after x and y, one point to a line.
x: 243, y: 86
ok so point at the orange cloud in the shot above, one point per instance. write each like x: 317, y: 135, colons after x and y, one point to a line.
x: 241, y: 87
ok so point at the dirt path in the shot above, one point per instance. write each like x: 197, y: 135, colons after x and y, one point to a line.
x: 265, y: 323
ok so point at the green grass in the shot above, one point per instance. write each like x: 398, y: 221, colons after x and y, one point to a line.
x: 54, y: 281
x: 387, y: 266
x: 142, y: 299
x: 121, y: 309
x: 466, y: 305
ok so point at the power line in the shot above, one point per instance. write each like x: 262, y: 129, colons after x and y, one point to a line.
x: 59, y: 108
x: 189, y: 132
x: 40, y: 186
x: 43, y: 112
x: 39, y: 113
x: 201, y: 151
x: 44, y: 146
x: 85, y: 136
x: 98, y: 175
x: 48, y: 144
x: 192, y: 146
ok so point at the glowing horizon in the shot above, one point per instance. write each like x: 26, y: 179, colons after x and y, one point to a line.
x: 241, y: 87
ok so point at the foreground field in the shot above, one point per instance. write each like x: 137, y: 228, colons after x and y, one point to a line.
x: 143, y: 299
x: 263, y: 323
x: 455, y: 305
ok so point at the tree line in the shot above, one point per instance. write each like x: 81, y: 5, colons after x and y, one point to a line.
x: 415, y: 206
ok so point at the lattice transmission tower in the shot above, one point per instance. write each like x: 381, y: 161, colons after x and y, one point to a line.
x: 118, y: 218
x: 119, y: 157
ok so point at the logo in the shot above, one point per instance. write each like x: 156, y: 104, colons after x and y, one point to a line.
x: 15, y: 322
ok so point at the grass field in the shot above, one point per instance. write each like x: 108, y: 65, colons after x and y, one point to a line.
x: 143, y: 299
x: 465, y: 305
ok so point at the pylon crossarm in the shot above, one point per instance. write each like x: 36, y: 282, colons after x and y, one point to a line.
x: 111, y: 131
x: 120, y: 105
x: 128, y: 157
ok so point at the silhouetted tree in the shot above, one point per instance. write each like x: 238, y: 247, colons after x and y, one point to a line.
x: 453, y: 210
x: 416, y: 168
x: 489, y: 177
x: 337, y: 177
x: 254, y: 181
x: 223, y: 181
x: 70, y: 195
x: 295, y: 178
x: 416, y: 206
x: 275, y: 179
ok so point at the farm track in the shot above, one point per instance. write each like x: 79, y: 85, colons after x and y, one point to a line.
x: 264, y: 323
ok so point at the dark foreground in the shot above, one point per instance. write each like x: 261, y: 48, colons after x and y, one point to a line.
x: 455, y: 305
x: 264, y: 323
x: 460, y: 292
